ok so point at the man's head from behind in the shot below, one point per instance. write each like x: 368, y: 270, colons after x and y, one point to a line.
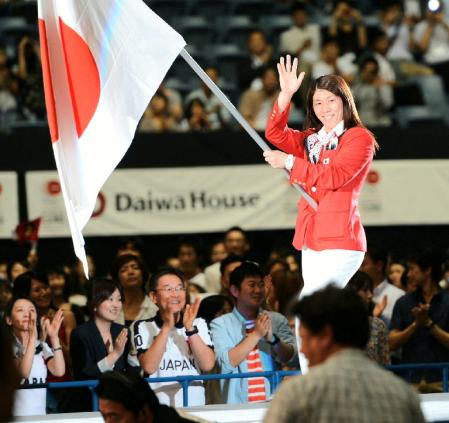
x: 126, y: 398
x: 331, y: 319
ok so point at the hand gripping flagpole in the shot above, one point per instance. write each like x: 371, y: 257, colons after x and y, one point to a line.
x: 240, y: 119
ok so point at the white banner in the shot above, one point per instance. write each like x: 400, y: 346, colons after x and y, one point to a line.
x: 9, y: 204
x: 256, y: 197
x: 406, y: 192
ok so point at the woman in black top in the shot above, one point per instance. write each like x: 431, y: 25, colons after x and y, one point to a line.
x: 100, y: 344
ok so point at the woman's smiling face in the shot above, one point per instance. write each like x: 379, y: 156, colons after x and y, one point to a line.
x: 328, y: 108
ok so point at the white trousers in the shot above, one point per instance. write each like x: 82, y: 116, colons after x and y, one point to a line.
x: 320, y: 268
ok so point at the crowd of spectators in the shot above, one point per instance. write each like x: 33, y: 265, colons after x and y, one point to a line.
x: 192, y: 316
x: 380, y: 49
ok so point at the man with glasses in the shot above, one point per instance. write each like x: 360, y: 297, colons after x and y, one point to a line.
x: 250, y: 339
x: 174, y: 342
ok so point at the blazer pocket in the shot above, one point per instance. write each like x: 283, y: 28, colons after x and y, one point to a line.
x: 332, y: 224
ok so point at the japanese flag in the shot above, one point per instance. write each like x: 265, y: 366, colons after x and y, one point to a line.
x: 102, y: 61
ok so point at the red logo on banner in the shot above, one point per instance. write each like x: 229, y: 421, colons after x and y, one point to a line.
x: 373, y: 177
x: 101, y: 205
x: 53, y: 187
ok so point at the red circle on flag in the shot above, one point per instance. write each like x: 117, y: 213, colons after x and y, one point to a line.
x: 53, y: 187
x: 101, y: 201
x: 373, y: 177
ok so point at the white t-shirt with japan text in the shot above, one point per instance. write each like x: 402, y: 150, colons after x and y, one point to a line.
x: 177, y: 360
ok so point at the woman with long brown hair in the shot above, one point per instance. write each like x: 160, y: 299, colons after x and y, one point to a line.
x: 330, y: 160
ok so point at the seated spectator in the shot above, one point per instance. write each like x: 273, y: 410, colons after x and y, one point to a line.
x: 30, y: 74
x: 303, y: 39
x: 332, y: 63
x: 283, y: 288
x: 80, y: 291
x: 260, y: 56
x: 100, y: 344
x: 396, y: 271
x: 8, y: 102
x: 57, y: 280
x: 217, y: 114
x: 274, y: 265
x: 432, y: 39
x: 196, y: 117
x: 420, y: 323
x: 227, y: 266
x: 37, y: 289
x: 256, y: 104
x: 214, y: 306
x: 380, y: 46
x: 129, y: 399
x: 373, y: 95
x: 343, y: 384
x: 402, y: 47
x: 348, y: 29
x: 5, y: 295
x: 384, y: 294
x: 235, y: 241
x: 287, y: 255
x: 33, y: 356
x: 377, y: 347
x: 158, y: 116
x: 190, y: 256
x: 16, y: 268
x: 250, y: 339
x: 132, y: 274
x: 218, y: 252
x: 174, y: 101
x: 174, y: 342
x: 132, y: 246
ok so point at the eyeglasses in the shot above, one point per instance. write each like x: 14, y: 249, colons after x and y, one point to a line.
x: 169, y: 290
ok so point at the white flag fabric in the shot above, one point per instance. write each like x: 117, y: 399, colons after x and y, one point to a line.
x: 102, y: 62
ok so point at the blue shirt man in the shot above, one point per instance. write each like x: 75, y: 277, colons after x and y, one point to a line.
x: 249, y: 338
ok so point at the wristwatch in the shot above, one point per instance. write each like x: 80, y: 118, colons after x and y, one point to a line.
x: 194, y: 331
x: 289, y: 161
x: 275, y: 340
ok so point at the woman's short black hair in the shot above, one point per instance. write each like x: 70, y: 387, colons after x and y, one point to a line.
x: 102, y: 289
x: 23, y: 282
x: 123, y: 259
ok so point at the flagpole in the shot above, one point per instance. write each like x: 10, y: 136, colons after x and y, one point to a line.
x: 240, y: 119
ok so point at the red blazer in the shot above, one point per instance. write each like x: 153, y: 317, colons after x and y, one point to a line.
x: 334, y: 182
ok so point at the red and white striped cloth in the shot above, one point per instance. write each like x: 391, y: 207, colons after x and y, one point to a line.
x: 256, y: 385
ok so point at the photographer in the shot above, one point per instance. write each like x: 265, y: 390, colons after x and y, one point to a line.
x: 432, y: 39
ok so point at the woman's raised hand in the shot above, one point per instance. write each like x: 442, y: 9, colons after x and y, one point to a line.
x: 288, y: 78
